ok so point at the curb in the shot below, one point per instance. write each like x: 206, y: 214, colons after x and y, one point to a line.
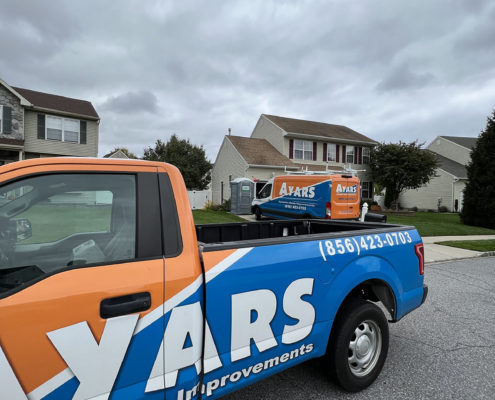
x: 488, y: 254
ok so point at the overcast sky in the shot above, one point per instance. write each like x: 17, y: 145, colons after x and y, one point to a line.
x: 392, y: 70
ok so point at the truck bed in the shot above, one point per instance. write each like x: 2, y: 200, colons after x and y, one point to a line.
x: 263, y: 233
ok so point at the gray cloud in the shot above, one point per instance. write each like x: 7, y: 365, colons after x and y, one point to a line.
x: 131, y: 103
x: 391, y: 70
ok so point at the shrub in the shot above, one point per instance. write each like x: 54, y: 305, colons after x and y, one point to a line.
x: 415, y: 209
x: 443, y: 209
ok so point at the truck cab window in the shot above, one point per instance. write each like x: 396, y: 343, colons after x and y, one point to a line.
x: 265, y: 192
x: 52, y: 222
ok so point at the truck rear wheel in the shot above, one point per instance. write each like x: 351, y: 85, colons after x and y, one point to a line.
x: 257, y: 212
x: 358, y: 346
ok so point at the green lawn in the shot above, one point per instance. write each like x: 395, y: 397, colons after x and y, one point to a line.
x: 438, y: 224
x: 214, y: 217
x: 54, y: 222
x: 476, y: 245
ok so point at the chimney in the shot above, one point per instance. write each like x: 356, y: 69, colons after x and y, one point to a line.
x: 229, y: 131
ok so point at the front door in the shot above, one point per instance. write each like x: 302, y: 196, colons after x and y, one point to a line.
x: 81, y: 283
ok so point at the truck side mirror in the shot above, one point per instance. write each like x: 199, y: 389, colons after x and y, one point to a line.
x: 24, y: 229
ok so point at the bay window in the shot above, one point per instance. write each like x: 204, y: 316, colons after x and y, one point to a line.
x: 366, y: 155
x: 62, y: 129
x: 331, y: 152
x: 303, y: 150
x: 349, y: 154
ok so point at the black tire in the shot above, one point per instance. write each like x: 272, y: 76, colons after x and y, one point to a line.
x: 257, y: 212
x: 354, y: 357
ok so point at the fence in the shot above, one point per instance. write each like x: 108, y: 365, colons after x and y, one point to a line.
x: 199, y: 198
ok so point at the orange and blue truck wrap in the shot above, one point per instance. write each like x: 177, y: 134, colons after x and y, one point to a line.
x: 109, y: 291
x: 309, y: 196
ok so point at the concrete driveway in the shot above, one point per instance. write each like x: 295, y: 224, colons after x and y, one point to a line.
x: 443, y: 350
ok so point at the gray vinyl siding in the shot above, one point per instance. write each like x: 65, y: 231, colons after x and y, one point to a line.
x: 450, y: 150
x: 228, y: 162
x: 265, y: 129
x: 34, y: 145
x: 426, y: 197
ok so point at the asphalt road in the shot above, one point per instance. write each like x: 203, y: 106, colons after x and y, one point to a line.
x: 443, y: 350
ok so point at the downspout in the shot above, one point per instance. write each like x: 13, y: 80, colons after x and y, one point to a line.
x: 453, y: 201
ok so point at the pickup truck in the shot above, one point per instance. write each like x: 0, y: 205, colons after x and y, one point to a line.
x: 109, y: 290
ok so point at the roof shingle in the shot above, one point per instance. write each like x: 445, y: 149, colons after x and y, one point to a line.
x: 452, y: 167
x: 58, y: 103
x: 291, y: 125
x: 259, y: 152
x: 467, y: 142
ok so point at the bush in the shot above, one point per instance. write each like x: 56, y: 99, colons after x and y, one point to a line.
x: 443, y: 209
x: 479, y: 194
x: 415, y: 209
x: 225, y: 206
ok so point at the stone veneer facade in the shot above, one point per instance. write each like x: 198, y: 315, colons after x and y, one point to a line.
x: 10, y: 100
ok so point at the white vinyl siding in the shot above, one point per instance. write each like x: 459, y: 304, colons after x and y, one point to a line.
x: 331, y: 152
x: 349, y: 154
x: 62, y: 129
x: 303, y: 150
x: 1, y: 118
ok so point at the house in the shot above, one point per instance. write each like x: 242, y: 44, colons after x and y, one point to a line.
x: 35, y: 124
x: 453, y: 154
x: 280, y: 145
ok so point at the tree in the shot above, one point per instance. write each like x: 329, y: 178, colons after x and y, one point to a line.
x: 190, y: 159
x: 400, y: 166
x: 479, y: 194
x: 127, y: 152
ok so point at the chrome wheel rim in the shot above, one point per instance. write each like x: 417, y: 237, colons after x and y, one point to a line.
x: 364, y: 348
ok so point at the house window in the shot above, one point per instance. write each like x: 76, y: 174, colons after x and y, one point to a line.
x: 366, y: 155
x: 303, y: 150
x: 331, y: 152
x: 365, y: 190
x: 62, y: 129
x: 349, y: 154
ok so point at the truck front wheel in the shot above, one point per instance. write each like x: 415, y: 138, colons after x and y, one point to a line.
x: 257, y: 212
x: 358, y: 345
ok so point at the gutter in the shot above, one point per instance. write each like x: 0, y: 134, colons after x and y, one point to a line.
x: 271, y: 166
x: 65, y: 113
x: 339, y: 140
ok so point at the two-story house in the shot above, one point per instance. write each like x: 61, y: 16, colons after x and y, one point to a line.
x: 35, y: 124
x: 453, y: 154
x: 280, y: 145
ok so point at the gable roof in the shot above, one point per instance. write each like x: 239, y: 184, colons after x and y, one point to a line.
x: 259, y: 152
x: 58, y: 103
x: 467, y: 142
x: 452, y: 167
x: 300, y: 126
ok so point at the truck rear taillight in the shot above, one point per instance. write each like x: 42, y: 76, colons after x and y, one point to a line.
x: 328, y: 210
x: 420, y: 253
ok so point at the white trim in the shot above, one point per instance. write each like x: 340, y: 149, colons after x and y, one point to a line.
x: 64, y: 113
x: 1, y: 118
x: 303, y: 150
x: 23, y: 100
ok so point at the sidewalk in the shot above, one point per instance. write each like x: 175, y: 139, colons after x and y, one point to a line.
x: 436, y: 252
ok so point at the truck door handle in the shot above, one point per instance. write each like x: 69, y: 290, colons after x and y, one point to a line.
x: 122, y: 305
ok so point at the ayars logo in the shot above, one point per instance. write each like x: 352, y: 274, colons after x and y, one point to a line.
x: 346, y: 189
x: 306, y: 191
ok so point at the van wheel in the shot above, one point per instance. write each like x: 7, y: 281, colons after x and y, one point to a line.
x: 358, y: 345
x: 257, y: 212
